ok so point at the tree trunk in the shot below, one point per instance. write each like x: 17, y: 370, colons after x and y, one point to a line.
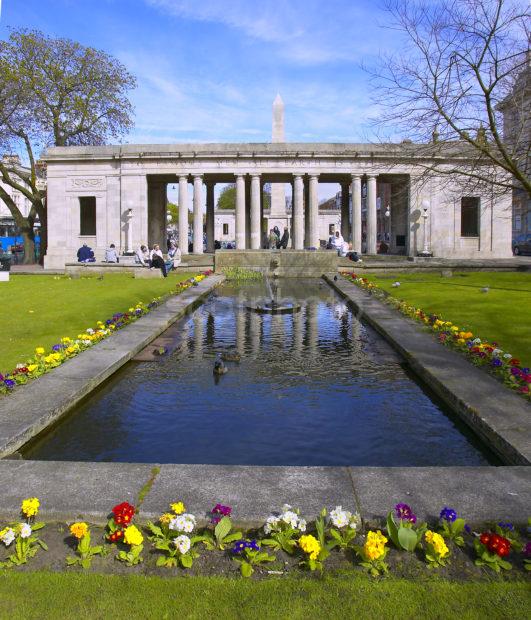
x: 43, y: 233
x: 29, y: 243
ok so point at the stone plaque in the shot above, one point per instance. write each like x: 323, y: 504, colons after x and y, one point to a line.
x: 86, y: 184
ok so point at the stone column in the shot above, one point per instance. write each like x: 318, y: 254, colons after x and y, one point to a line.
x: 306, y: 212
x: 298, y: 213
x: 247, y: 212
x: 240, y: 212
x: 183, y: 214
x: 255, y: 212
x: 356, y: 213
x: 345, y: 212
x: 198, y: 215
x: 371, y: 214
x: 210, y: 215
x: 314, y: 211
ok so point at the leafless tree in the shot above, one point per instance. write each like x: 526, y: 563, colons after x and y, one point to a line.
x: 461, y: 85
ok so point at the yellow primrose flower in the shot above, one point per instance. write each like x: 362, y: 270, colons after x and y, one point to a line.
x: 39, y: 351
x: 32, y: 367
x: 30, y: 507
x: 166, y: 517
x: 133, y: 536
x: 437, y: 542
x: 310, y: 545
x: 178, y: 508
x: 461, y: 341
x: 79, y: 529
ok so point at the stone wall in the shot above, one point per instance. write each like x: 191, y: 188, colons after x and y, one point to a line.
x: 284, y: 263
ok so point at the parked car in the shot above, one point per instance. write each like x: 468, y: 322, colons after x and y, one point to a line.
x: 522, y: 245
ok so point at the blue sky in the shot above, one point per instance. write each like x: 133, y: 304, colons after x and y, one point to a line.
x: 208, y: 70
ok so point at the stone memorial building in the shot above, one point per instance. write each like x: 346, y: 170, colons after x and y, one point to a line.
x: 118, y: 194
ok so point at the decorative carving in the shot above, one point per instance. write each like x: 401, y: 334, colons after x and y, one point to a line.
x: 83, y: 183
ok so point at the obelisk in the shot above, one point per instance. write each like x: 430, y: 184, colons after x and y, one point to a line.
x: 278, y: 190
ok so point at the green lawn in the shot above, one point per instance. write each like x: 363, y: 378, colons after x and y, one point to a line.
x: 502, y: 315
x: 38, y: 310
x: 58, y: 595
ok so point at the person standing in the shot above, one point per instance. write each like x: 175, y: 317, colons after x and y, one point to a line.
x: 273, y: 239
x: 283, y: 243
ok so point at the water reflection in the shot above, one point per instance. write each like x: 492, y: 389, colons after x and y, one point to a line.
x: 312, y: 388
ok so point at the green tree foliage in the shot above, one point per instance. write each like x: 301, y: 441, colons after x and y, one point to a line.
x: 54, y: 92
x: 227, y: 198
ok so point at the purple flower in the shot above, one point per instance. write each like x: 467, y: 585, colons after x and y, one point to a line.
x: 448, y: 514
x: 527, y: 550
x: 404, y: 513
x: 468, y: 529
x: 57, y: 347
x: 497, y: 362
x: 506, y: 526
x: 220, y: 511
x: 9, y: 383
x: 241, y: 545
x: 1, y: 377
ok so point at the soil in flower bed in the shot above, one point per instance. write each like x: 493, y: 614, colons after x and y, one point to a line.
x: 211, y: 563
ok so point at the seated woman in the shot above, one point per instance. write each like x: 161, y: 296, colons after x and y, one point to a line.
x: 157, y: 259
x: 142, y: 256
x: 174, y: 255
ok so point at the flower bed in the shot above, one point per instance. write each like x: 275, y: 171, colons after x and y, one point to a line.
x: 285, y: 542
x: 67, y: 347
x: 480, y: 352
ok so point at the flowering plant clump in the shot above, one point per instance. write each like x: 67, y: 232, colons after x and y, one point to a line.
x: 490, y: 549
x: 527, y: 556
x: 403, y: 529
x: 134, y: 539
x: 284, y: 528
x: 343, y: 527
x: 508, y: 531
x: 223, y: 534
x: 122, y: 515
x: 373, y: 553
x: 436, y: 550
x: 67, y: 347
x: 248, y: 554
x: 23, y: 535
x: 451, y: 526
x: 315, y: 553
x: 81, y: 532
x: 479, y: 352
x: 171, y: 537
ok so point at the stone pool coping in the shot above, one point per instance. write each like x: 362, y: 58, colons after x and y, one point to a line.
x: 498, y: 416
x: 40, y: 403
x: 79, y: 490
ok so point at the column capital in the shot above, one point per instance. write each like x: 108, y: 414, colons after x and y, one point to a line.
x: 297, y: 175
x: 255, y: 175
x: 183, y: 177
x: 239, y: 175
x: 197, y: 176
x: 356, y: 175
x: 372, y: 176
x: 313, y: 175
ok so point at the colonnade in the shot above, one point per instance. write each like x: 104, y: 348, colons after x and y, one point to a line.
x: 305, y: 212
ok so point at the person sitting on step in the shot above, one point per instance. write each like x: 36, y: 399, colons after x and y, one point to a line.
x: 142, y: 256
x: 111, y: 255
x: 157, y: 259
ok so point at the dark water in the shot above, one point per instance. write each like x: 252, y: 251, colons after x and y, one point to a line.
x: 313, y: 388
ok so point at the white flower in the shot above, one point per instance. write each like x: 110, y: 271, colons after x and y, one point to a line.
x: 182, y: 543
x: 477, y: 341
x: 290, y: 517
x: 25, y: 530
x: 355, y: 521
x: 340, y: 517
x: 7, y: 536
x: 271, y: 524
x: 183, y: 523
x: 507, y: 356
x: 86, y: 342
x: 302, y: 525
x: 89, y: 330
x: 496, y: 352
x: 285, y: 508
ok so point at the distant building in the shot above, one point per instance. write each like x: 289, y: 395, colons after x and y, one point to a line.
x: 7, y: 222
x: 516, y: 110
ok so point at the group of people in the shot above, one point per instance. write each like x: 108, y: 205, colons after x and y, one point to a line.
x: 275, y: 241
x: 154, y: 258
x: 343, y: 248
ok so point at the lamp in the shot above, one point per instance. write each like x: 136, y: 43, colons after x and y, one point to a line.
x: 426, y: 250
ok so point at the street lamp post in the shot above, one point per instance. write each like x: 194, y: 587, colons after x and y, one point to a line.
x: 426, y: 250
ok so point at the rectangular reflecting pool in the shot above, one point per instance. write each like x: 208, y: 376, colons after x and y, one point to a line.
x: 316, y: 387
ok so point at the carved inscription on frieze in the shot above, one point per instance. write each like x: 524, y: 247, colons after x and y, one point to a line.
x: 86, y: 183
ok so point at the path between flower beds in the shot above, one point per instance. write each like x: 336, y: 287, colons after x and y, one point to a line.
x: 500, y: 418
x: 40, y: 403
